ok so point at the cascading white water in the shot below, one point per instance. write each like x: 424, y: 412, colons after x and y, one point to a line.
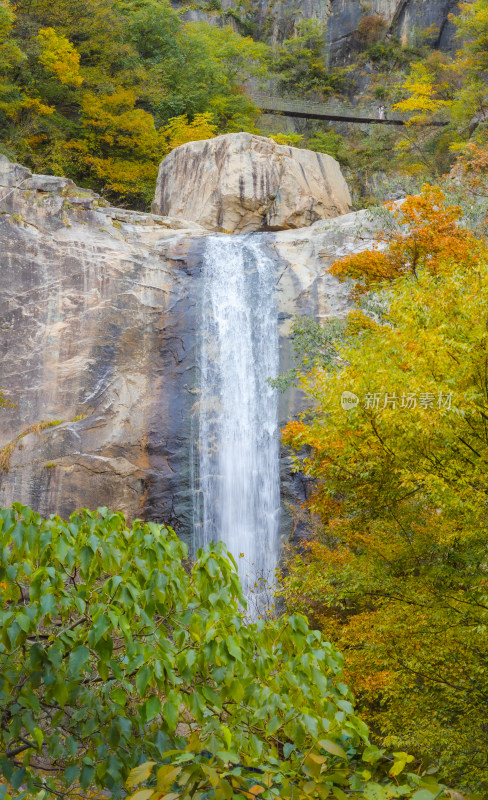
x: 238, y: 491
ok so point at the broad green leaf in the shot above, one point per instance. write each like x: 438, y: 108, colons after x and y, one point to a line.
x: 143, y: 678
x: 118, y: 696
x: 373, y: 791
x: 152, y: 707
x: 78, y: 659
x: 100, y: 626
x: 171, y: 713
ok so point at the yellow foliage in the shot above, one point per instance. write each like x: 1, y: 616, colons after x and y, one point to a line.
x: 113, y: 121
x: 288, y: 139
x: 397, y: 576
x: 423, y: 101
x: 146, y: 79
x: 120, y: 148
x: 179, y: 131
x: 59, y: 57
x: 37, y: 106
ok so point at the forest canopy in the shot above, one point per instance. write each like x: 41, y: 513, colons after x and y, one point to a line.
x: 101, y: 90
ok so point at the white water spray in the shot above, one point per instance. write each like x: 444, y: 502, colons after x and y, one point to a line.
x: 238, y: 496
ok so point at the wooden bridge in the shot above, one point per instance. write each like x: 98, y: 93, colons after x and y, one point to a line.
x: 334, y: 111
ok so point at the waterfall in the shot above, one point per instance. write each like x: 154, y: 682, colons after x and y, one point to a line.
x: 237, y: 497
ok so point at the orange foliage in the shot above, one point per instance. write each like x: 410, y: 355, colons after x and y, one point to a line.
x: 471, y: 168
x: 429, y: 234
x: 292, y: 431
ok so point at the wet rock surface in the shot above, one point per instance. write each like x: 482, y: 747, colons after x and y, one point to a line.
x: 99, y: 316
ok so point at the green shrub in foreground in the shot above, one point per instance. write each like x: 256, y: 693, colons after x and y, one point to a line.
x: 116, y: 656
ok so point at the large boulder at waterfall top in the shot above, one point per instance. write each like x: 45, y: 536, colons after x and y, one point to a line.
x: 239, y: 183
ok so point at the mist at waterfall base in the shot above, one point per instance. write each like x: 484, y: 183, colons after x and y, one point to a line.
x: 236, y: 482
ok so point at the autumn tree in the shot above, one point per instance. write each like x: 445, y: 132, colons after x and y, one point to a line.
x: 179, y: 130
x: 449, y: 88
x: 422, y: 232
x: 59, y: 57
x: 396, y: 571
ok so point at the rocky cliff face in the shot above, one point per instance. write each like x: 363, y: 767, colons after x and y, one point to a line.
x: 405, y: 19
x: 93, y: 320
x: 276, y: 20
x: 98, y: 320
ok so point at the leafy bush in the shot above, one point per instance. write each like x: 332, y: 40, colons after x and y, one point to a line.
x: 300, y: 62
x: 115, y: 650
x: 329, y: 142
x: 371, y: 29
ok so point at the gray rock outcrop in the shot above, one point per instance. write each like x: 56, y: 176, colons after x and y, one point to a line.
x: 239, y: 183
x: 277, y: 20
x: 404, y: 19
x: 99, y: 316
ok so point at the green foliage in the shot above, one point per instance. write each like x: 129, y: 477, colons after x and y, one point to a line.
x: 5, y: 402
x: 389, y: 54
x: 179, y: 130
x: 448, y: 87
x: 189, y: 776
x: 290, y: 139
x: 10, y: 53
x: 472, y: 26
x: 114, y: 652
x: 329, y: 142
x: 368, y: 158
x: 314, y: 346
x: 300, y: 62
